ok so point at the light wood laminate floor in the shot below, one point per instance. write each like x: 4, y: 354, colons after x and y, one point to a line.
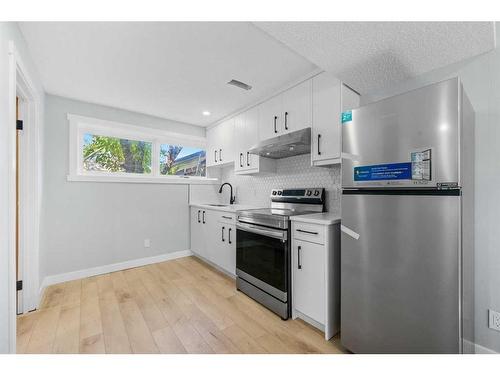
x: 179, y: 306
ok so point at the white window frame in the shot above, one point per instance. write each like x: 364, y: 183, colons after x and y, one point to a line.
x: 79, y: 125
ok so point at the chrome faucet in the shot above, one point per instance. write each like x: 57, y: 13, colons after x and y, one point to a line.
x: 232, y: 198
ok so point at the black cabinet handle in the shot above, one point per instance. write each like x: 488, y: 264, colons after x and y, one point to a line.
x: 286, y: 120
x: 215, y: 153
x: 203, y: 217
x: 275, y: 120
x: 220, y: 154
x: 248, y: 158
x: 230, y: 236
x: 227, y: 217
x: 319, y: 138
x: 199, y: 216
x: 241, y: 163
x: 306, y: 231
x: 299, y: 265
x: 223, y: 234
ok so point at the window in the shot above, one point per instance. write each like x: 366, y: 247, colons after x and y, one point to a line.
x: 182, y: 161
x: 109, y: 154
x: 108, y: 151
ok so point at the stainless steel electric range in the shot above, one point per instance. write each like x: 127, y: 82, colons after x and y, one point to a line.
x: 263, y: 246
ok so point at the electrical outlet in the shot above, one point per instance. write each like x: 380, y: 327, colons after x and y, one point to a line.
x: 147, y: 242
x: 494, y: 320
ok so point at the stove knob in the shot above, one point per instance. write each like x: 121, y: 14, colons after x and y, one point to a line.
x: 308, y: 193
x: 274, y: 192
x: 280, y: 192
x: 316, y: 193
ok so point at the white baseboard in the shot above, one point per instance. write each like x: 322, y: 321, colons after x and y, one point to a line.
x: 231, y: 275
x: 484, y: 350
x: 308, y: 320
x: 80, y: 274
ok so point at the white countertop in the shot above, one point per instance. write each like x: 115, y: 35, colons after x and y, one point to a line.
x: 323, y: 218
x: 227, y: 208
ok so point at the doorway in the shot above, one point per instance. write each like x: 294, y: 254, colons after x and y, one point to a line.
x: 24, y: 150
x: 19, y: 282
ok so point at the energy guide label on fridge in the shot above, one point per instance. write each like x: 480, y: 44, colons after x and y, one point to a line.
x: 421, y: 165
x: 393, y: 171
x: 418, y: 169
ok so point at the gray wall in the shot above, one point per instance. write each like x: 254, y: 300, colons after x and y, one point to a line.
x: 89, y: 224
x: 481, y: 80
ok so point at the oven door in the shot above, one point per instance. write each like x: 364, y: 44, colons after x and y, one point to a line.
x: 262, y: 257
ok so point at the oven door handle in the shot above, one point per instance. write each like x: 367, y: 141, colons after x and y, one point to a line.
x: 279, y: 234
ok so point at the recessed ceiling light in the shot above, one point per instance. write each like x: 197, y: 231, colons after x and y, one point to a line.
x: 205, y: 113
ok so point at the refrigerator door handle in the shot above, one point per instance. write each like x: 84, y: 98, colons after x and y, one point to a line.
x: 349, y: 232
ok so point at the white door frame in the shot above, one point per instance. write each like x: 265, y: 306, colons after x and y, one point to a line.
x: 21, y: 85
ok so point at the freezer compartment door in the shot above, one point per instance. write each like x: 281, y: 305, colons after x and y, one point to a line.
x: 409, y: 140
x: 400, y: 274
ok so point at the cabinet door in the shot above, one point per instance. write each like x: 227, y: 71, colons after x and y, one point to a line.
x: 252, y: 137
x: 309, y: 279
x: 326, y: 131
x: 241, y: 144
x: 211, y: 236
x: 225, y: 257
x: 212, y: 146
x: 270, y: 119
x: 226, y: 142
x: 297, y: 113
x: 196, y: 231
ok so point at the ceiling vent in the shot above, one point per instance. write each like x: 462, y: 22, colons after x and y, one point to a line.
x: 239, y: 84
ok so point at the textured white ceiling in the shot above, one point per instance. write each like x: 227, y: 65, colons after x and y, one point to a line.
x: 370, y: 55
x: 173, y: 70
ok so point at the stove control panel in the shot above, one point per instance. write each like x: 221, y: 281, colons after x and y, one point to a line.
x: 297, y: 194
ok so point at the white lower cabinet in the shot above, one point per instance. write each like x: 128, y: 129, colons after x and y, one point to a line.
x: 213, y: 237
x: 199, y: 231
x: 309, y: 289
x: 225, y: 256
x: 316, y: 275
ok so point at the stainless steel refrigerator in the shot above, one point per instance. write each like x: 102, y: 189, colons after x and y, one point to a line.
x: 407, y: 223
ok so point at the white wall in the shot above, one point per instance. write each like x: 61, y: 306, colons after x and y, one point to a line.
x: 8, y: 32
x: 481, y: 80
x: 90, y: 224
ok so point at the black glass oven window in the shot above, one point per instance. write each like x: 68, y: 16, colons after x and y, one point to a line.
x: 262, y: 257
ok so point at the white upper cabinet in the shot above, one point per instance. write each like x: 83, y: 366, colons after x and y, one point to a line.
x: 297, y: 103
x: 241, y: 144
x: 212, y: 142
x: 317, y: 103
x: 220, y: 143
x: 247, y: 135
x: 270, y: 117
x: 286, y: 112
x: 329, y: 99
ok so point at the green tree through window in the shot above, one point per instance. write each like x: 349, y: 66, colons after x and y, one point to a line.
x: 111, y: 154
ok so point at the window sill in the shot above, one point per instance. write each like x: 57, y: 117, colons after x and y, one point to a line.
x: 145, y: 180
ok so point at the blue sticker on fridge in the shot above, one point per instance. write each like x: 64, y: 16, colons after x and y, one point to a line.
x: 394, y: 171
x: 346, y: 116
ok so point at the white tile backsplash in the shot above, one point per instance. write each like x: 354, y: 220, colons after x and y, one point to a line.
x: 293, y: 172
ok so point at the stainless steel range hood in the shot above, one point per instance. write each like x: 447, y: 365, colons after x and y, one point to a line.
x: 284, y: 146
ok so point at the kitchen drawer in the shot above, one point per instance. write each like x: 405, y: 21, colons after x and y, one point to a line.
x: 226, y: 217
x: 309, y: 232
